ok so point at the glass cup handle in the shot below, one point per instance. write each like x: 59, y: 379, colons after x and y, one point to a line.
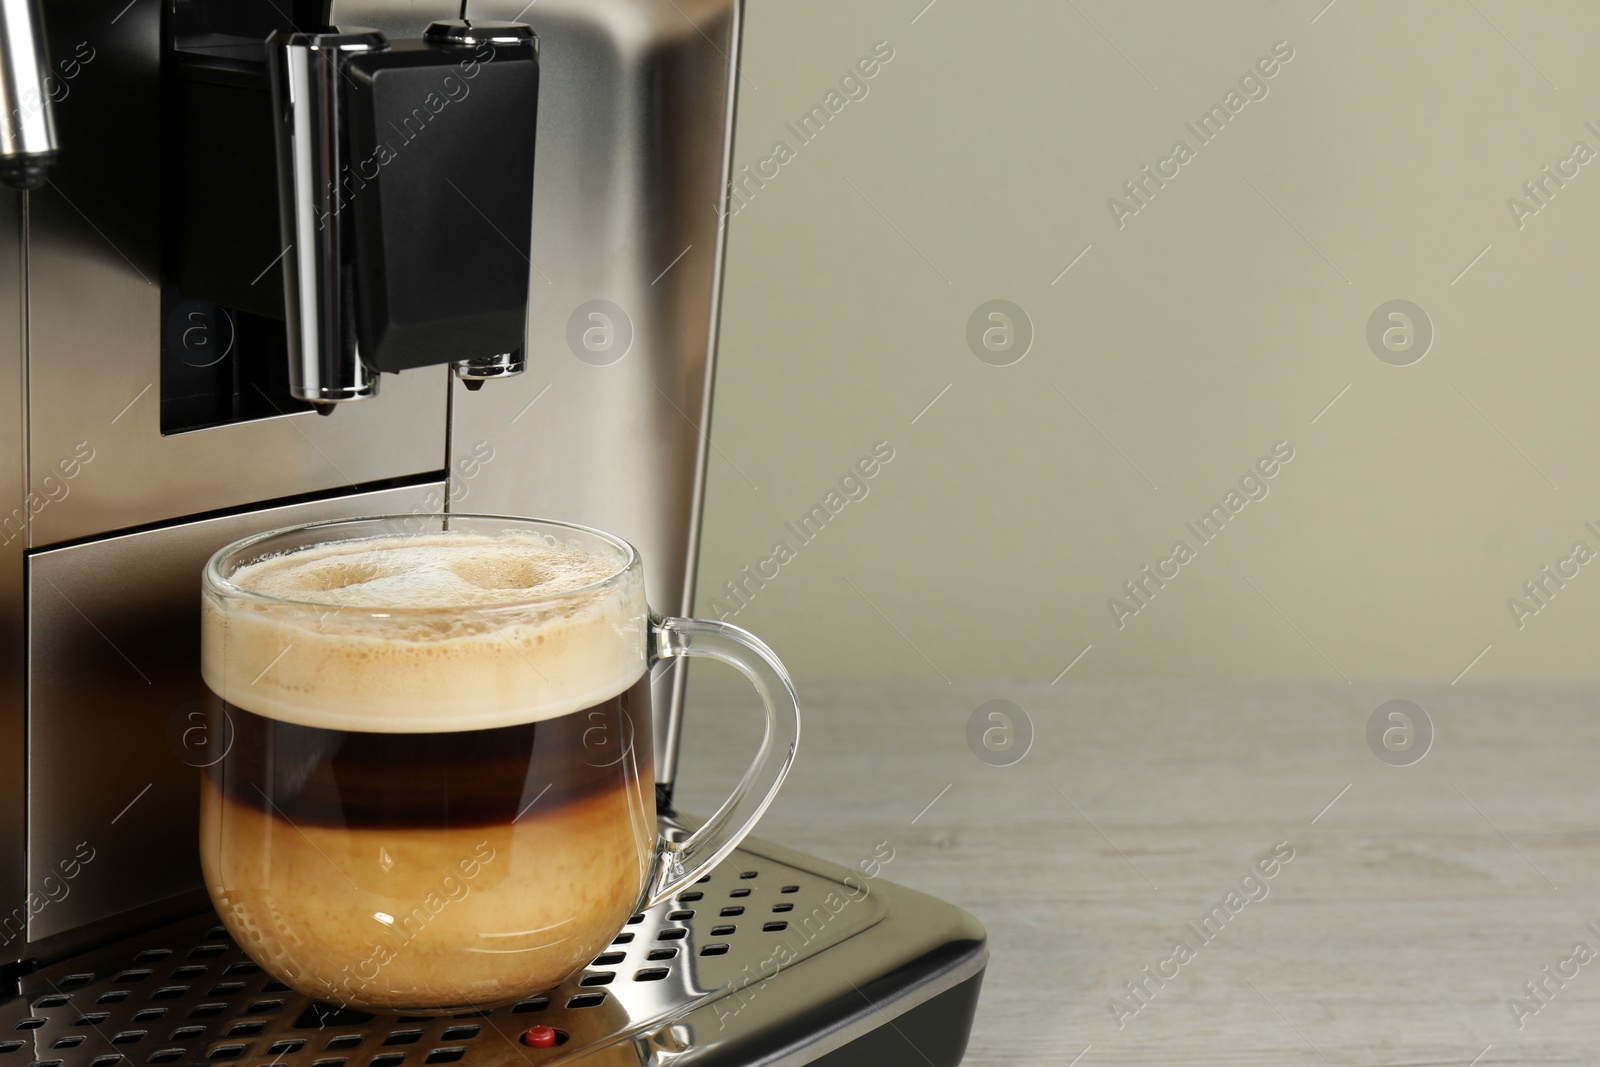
x: 681, y: 863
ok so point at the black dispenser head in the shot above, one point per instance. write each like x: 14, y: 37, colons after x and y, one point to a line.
x: 406, y: 200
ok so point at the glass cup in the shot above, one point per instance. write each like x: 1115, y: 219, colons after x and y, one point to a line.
x: 437, y: 792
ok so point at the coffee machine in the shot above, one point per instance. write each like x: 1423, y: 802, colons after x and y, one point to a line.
x: 240, y: 288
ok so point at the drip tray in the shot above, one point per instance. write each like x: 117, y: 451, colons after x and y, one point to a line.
x: 775, y: 957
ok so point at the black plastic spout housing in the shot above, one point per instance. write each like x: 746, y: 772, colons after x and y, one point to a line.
x: 440, y: 184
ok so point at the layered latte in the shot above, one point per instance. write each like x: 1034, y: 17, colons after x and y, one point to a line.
x: 438, y: 786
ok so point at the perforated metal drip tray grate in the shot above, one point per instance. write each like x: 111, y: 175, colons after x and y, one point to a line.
x: 187, y: 994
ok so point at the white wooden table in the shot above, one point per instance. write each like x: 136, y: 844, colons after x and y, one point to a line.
x: 1414, y: 908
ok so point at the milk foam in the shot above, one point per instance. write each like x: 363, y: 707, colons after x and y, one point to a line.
x: 433, y: 633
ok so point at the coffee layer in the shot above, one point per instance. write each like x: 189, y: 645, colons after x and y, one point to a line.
x: 427, y: 634
x: 309, y: 775
x: 429, y: 918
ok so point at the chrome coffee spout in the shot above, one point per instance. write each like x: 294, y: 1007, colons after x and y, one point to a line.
x: 325, y: 364
x: 474, y: 372
x: 28, y: 128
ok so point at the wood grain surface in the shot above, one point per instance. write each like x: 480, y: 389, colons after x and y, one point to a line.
x: 1418, y: 902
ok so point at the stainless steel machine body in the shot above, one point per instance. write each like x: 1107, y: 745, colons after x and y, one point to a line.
x: 618, y: 445
x: 110, y: 502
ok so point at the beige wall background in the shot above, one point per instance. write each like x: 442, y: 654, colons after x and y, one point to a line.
x: 1222, y: 318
